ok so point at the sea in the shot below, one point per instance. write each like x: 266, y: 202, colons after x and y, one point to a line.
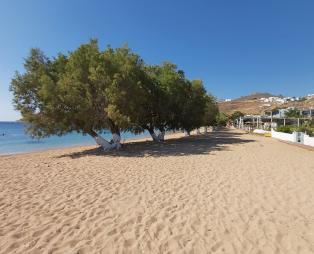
x: 13, y: 139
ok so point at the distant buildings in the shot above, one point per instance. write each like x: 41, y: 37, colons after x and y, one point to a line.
x: 281, y: 112
x: 279, y: 99
x: 275, y: 99
x: 307, y: 112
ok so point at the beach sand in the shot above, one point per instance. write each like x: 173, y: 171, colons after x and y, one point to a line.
x: 225, y: 192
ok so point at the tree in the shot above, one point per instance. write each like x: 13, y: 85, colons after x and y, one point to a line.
x: 292, y: 113
x: 35, y: 94
x: 222, y: 119
x: 176, y: 102
x: 211, y: 111
x: 126, y: 94
x: 235, y: 115
x: 65, y: 94
x: 193, y: 106
x: 164, y: 87
x: 89, y: 91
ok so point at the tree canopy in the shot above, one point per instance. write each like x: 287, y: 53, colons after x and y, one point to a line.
x: 222, y: 119
x: 89, y: 90
x: 236, y: 114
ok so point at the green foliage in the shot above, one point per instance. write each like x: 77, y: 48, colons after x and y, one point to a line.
x: 194, y: 106
x: 167, y: 94
x: 34, y: 94
x: 89, y: 90
x: 235, y: 115
x: 67, y: 93
x: 310, y: 122
x: 211, y: 111
x: 286, y: 129
x: 292, y: 113
x: 307, y: 127
x: 222, y: 119
x: 127, y: 92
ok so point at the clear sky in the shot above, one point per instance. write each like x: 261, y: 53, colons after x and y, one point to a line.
x: 236, y: 46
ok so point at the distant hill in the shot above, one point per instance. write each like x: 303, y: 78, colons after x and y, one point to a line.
x: 251, y: 104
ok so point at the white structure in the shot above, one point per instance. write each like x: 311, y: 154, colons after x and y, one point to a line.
x: 309, y: 141
x: 287, y: 99
x: 272, y: 99
x: 107, y: 145
x: 284, y: 136
x: 295, y: 137
x: 279, y: 100
x: 260, y: 131
x: 226, y: 100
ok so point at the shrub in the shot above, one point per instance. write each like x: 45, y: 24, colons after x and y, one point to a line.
x: 286, y: 129
x: 306, y: 129
x: 309, y: 130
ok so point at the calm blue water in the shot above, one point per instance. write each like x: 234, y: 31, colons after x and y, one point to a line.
x: 15, y: 140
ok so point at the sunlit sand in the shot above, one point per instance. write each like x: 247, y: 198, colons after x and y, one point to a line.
x: 224, y: 192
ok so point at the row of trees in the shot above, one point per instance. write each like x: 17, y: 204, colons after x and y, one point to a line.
x: 222, y: 119
x: 89, y: 90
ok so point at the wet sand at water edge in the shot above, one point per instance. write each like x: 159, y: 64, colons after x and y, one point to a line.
x: 223, y: 192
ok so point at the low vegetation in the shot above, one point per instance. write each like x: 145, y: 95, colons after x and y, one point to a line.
x: 292, y: 113
x: 286, y: 129
x: 222, y: 119
x: 306, y: 128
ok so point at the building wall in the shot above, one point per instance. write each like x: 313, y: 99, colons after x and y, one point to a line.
x: 309, y: 141
x: 284, y: 136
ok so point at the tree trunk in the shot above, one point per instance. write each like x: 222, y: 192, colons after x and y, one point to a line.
x: 161, y: 135
x: 101, y: 141
x: 187, y: 133
x: 153, y: 134
x: 156, y: 138
x: 198, y: 131
x: 116, y: 136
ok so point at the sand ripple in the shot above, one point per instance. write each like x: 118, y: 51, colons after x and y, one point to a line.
x: 227, y: 192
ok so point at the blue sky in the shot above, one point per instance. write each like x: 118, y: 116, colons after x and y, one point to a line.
x: 236, y: 47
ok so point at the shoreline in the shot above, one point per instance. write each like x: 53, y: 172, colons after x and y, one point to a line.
x: 144, y: 138
x: 126, y: 140
x: 59, y: 149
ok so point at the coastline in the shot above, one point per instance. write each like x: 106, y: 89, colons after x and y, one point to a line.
x: 126, y: 140
x: 70, y: 148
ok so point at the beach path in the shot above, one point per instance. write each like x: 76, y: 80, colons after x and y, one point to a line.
x: 224, y: 192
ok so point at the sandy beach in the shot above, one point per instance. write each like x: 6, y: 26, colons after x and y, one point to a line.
x: 224, y: 192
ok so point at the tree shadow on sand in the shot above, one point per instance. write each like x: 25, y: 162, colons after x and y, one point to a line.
x: 193, y: 145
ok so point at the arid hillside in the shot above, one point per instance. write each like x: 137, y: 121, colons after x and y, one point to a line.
x: 253, y: 105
